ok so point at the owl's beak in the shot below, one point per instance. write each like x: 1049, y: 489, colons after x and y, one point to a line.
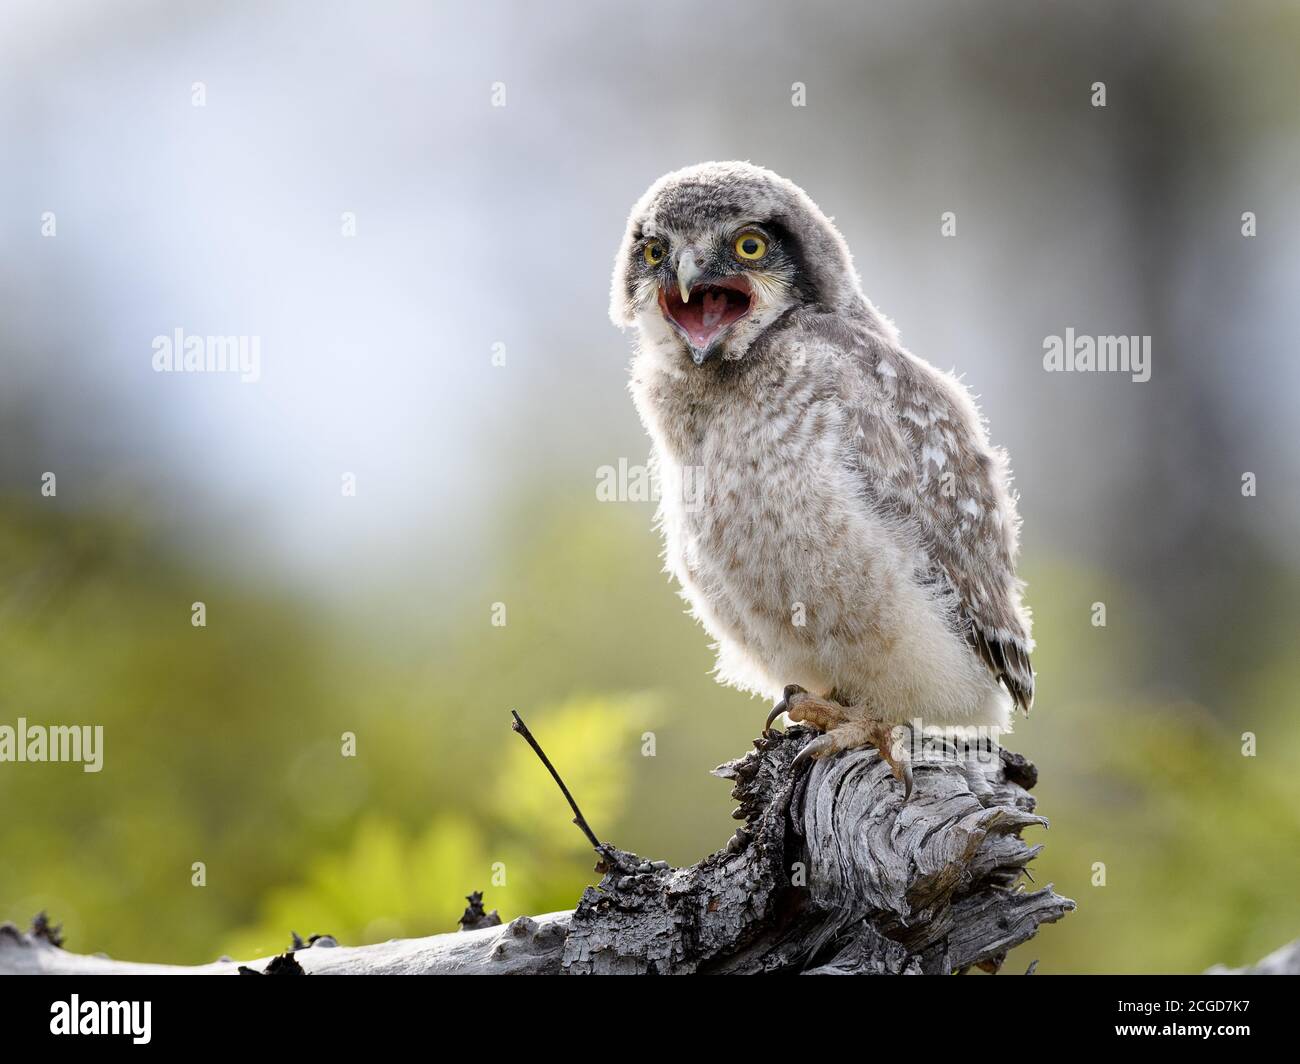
x: 703, y: 306
x: 688, y: 272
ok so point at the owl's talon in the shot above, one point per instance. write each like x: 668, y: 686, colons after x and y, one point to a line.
x: 857, y: 730
x: 816, y: 749
x: 900, y: 763
x: 783, y: 706
x: 843, y: 727
x: 905, y: 765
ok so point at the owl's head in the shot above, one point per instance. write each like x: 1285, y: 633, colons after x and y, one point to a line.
x: 717, y: 253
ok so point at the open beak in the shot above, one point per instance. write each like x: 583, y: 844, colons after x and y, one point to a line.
x: 702, y: 307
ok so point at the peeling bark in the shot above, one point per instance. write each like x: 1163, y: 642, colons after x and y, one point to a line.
x: 831, y: 873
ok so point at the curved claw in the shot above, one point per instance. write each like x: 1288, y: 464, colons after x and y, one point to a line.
x: 782, y: 706
x: 811, y: 752
x: 899, y: 761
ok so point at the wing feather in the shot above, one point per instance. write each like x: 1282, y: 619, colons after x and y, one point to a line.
x: 924, y: 455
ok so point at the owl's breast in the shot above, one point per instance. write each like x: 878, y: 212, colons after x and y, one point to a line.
x: 768, y: 533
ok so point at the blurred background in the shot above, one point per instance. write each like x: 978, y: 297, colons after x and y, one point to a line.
x: 485, y: 235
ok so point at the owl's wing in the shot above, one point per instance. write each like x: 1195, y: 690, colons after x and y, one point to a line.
x: 924, y: 456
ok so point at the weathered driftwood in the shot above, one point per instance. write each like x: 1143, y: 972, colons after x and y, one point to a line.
x: 831, y: 873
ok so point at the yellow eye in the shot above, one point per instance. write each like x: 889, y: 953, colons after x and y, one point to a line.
x: 750, y: 246
x: 654, y: 253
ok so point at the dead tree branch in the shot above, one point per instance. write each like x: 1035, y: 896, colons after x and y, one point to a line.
x: 830, y: 873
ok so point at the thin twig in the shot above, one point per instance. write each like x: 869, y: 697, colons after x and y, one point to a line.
x: 578, y: 818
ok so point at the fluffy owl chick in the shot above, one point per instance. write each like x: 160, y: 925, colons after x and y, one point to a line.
x: 830, y: 503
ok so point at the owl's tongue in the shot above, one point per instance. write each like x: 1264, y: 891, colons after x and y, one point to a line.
x: 715, y: 305
x: 711, y: 309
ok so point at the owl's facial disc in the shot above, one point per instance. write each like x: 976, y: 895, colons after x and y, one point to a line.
x: 703, y: 311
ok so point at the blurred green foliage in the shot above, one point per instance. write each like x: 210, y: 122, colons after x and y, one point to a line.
x: 224, y: 745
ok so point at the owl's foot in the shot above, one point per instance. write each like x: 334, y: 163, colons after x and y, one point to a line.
x: 843, y: 728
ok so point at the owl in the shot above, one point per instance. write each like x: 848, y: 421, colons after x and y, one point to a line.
x: 830, y: 503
